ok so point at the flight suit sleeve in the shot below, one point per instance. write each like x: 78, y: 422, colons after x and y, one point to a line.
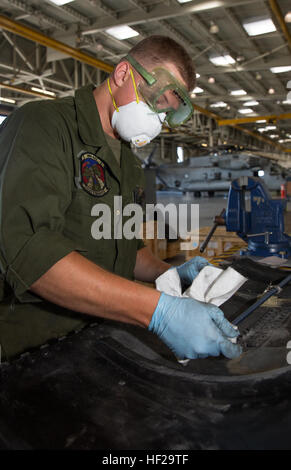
x: 36, y: 189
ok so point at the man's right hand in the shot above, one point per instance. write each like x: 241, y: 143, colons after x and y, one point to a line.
x: 193, y: 329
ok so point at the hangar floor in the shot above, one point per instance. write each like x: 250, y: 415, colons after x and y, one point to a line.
x: 209, y: 207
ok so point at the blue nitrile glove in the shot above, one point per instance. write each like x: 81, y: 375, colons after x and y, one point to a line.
x: 193, y: 329
x: 189, y: 270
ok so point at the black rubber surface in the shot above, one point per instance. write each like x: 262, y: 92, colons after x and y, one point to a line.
x: 114, y: 386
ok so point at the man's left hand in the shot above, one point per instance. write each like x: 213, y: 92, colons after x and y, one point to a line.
x: 189, y: 270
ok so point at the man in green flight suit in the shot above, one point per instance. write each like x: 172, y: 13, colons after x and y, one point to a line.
x: 58, y: 160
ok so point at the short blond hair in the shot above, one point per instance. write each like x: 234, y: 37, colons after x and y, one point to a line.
x: 157, y: 50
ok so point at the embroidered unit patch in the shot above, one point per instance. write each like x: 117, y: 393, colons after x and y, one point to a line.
x: 93, y: 179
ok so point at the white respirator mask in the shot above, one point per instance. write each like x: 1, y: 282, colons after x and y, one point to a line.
x: 135, y: 122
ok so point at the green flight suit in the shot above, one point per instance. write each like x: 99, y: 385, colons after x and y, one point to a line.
x: 55, y: 165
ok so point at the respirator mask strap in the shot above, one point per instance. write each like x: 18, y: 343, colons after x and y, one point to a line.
x: 111, y: 94
x: 134, y: 86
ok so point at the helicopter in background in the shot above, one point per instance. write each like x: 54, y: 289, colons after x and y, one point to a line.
x: 215, y: 171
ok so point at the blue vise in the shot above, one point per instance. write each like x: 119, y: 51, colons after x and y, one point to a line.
x: 256, y: 218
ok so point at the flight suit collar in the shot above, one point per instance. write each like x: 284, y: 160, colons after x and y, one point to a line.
x: 90, y: 127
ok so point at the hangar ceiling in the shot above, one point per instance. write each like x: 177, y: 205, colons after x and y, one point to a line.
x: 237, y: 68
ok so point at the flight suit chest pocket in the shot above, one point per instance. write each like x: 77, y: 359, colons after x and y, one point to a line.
x: 94, y: 184
x: 94, y: 192
x: 80, y: 226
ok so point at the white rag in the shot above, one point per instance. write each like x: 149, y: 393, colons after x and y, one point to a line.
x: 212, y: 285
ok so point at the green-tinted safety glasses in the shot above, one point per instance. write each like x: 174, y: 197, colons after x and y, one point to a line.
x: 176, y: 102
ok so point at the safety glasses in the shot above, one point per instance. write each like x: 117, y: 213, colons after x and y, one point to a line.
x: 163, y: 93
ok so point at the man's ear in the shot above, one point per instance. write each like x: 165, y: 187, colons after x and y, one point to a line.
x: 121, y: 73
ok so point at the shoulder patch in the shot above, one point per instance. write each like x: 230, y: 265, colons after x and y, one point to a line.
x: 93, y: 178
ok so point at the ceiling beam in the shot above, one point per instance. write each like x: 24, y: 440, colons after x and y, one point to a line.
x: 269, y: 117
x: 29, y: 76
x: 99, y: 4
x: 36, y: 36
x: 279, y: 17
x: 255, y: 135
x: 220, y: 47
x: 25, y: 91
x: 240, y: 100
x: 33, y: 12
x: 252, y: 44
x: 159, y: 12
x: 75, y: 14
x: 277, y: 62
x: 18, y: 50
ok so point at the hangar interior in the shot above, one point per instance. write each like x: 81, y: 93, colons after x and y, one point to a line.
x: 242, y: 66
x: 125, y: 390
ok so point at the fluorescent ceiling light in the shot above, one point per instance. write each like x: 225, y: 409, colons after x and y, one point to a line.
x: 204, y: 5
x: 197, y: 90
x: 260, y: 26
x: 219, y: 104
x: 61, y: 2
x: 2, y: 118
x: 245, y: 111
x: 238, y: 92
x: 251, y: 103
x: 287, y: 102
x: 197, y: 75
x: 267, y: 128
x: 7, y: 100
x: 261, y: 121
x: 44, y: 92
x: 284, y: 68
x: 122, y: 32
x: 222, y: 60
x: 208, y: 5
